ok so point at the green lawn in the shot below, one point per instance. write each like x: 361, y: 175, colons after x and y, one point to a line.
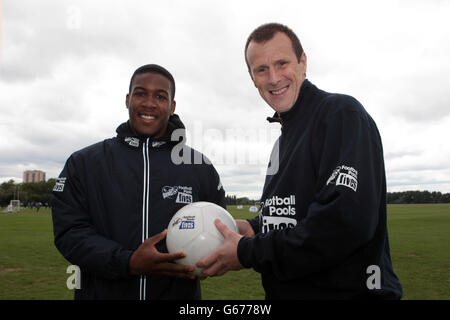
x: 419, y: 237
x: 30, y: 265
x: 32, y: 268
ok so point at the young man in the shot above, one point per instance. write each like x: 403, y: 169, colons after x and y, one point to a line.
x: 321, y: 232
x: 114, y: 199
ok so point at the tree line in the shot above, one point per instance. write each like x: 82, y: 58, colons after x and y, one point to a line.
x: 42, y: 192
x: 232, y: 200
x: 26, y: 192
x: 418, y: 197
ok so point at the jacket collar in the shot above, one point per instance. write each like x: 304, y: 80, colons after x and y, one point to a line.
x: 285, y: 117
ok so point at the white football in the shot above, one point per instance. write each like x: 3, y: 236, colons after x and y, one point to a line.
x: 192, y: 231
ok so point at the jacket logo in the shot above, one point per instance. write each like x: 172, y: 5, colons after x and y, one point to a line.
x: 132, y: 141
x: 157, y: 144
x: 59, y: 185
x: 276, y: 223
x: 279, y: 206
x: 181, y: 194
x: 344, y: 176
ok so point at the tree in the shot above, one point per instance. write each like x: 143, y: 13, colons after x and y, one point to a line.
x: 26, y: 192
x: 7, y: 191
x: 417, y: 197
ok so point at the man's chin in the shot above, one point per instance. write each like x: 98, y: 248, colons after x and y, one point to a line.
x: 145, y: 132
x: 279, y: 106
x: 281, y: 109
x: 149, y: 134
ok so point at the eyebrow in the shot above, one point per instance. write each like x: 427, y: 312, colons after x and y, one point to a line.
x: 264, y: 65
x: 260, y: 66
x: 144, y: 89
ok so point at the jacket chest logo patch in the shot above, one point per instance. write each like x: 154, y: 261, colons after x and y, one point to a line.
x: 344, y: 176
x: 277, y: 212
x: 181, y: 194
x: 269, y: 223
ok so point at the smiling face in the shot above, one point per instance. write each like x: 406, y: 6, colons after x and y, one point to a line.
x: 276, y: 71
x: 149, y: 104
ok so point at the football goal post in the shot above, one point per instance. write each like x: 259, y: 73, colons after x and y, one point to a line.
x: 14, y: 205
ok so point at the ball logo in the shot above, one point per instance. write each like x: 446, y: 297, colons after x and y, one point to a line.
x: 177, y: 221
x: 192, y: 231
x: 186, y: 222
x: 187, y: 225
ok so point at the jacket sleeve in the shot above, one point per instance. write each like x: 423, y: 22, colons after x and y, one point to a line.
x: 343, y: 215
x: 254, y: 223
x: 76, y: 236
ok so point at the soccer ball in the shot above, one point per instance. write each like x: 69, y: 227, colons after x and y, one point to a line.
x: 192, y: 231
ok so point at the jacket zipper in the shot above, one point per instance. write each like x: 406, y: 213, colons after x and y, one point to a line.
x: 145, y: 197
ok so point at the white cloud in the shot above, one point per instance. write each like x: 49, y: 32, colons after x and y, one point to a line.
x: 65, y: 69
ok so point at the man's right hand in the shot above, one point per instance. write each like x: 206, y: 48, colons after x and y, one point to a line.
x: 147, y: 260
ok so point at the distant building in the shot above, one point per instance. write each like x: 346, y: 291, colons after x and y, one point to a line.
x: 33, y: 176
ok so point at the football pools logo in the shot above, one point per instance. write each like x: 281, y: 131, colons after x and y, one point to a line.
x: 344, y: 176
x: 186, y: 222
x: 187, y: 225
x: 59, y: 185
x: 181, y: 194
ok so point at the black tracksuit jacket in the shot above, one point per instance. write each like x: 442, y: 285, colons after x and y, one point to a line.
x: 113, y: 195
x: 321, y: 232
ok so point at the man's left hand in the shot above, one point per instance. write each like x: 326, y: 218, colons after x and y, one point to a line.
x: 224, y: 258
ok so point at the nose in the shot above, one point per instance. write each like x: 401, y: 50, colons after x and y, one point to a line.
x: 274, y: 76
x: 149, y: 102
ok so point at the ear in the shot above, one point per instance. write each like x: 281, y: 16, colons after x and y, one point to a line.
x: 172, y: 107
x: 303, y: 63
x: 127, y: 100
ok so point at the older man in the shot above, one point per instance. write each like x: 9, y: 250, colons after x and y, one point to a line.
x: 321, y: 232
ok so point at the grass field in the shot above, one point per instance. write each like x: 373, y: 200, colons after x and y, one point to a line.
x: 32, y: 268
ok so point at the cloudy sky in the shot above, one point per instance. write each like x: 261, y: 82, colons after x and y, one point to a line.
x: 65, y: 69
